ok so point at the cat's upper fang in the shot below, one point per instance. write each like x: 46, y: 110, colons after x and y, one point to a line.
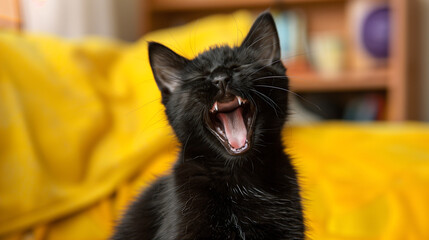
x: 215, y: 108
x: 226, y: 106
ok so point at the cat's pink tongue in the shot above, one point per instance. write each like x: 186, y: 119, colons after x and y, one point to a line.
x: 235, y: 129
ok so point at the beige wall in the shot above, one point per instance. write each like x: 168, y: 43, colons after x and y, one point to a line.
x: 119, y: 19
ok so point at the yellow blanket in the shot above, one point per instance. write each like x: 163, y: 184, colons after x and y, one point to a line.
x: 82, y: 130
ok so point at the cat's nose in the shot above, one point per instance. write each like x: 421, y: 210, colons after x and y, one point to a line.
x: 221, y: 81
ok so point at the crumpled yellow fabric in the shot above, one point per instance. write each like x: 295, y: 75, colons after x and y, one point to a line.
x: 364, y: 181
x: 82, y: 130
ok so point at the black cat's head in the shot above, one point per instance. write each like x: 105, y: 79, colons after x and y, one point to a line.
x: 230, y: 100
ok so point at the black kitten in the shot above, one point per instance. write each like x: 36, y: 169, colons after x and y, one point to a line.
x: 232, y: 179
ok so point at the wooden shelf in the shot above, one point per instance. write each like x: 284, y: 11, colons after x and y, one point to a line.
x: 193, y: 5
x: 331, y: 16
x: 349, y: 81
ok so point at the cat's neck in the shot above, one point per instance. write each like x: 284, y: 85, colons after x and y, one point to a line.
x: 263, y: 163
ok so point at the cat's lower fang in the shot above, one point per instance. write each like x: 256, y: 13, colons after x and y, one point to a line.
x: 221, y: 131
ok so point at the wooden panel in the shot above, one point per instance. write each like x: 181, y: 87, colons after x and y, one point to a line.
x: 9, y: 14
x: 397, y: 95
x: 196, y: 5
x: 326, y: 17
x: 351, y: 81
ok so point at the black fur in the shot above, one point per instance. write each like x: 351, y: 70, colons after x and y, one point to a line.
x: 212, y: 194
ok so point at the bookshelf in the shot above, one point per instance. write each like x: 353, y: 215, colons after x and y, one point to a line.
x: 390, y: 80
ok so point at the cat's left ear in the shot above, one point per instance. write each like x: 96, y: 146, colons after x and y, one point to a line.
x: 166, y: 67
x: 263, y: 39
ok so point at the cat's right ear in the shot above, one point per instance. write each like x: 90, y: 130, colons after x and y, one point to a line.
x: 166, y: 67
x: 263, y: 39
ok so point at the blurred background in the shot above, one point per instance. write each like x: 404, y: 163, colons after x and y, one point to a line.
x: 357, y: 59
x: 82, y: 130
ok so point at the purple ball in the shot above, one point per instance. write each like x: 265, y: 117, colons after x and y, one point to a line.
x: 376, y: 32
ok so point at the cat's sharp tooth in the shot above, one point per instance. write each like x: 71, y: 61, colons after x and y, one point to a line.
x: 239, y: 101
x: 215, y: 106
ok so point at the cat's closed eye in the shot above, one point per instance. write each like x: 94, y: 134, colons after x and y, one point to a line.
x: 235, y: 67
x: 238, y: 68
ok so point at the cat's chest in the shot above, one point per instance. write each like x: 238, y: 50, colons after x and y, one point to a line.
x: 236, y: 211
x: 240, y: 204
x: 255, y: 204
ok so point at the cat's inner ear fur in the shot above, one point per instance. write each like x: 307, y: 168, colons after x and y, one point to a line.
x: 166, y: 67
x: 263, y: 39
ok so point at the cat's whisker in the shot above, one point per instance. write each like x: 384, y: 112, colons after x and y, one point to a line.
x: 261, y: 38
x: 269, y: 129
x: 238, y: 31
x: 177, y: 44
x: 259, y: 69
x: 156, y: 114
x: 191, y: 39
x: 305, y: 53
x: 142, y: 106
x: 276, y: 76
x: 276, y: 61
x: 287, y: 90
x: 285, y: 58
x: 270, y: 103
x: 294, y: 93
x: 252, y: 32
x: 184, y: 147
x: 270, y: 77
x: 274, y: 87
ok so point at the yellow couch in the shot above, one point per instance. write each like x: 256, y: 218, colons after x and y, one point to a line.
x: 82, y: 130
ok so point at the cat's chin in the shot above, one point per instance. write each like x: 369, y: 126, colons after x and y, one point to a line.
x: 231, y: 122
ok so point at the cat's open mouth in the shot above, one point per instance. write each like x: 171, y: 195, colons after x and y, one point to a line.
x: 231, y: 122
